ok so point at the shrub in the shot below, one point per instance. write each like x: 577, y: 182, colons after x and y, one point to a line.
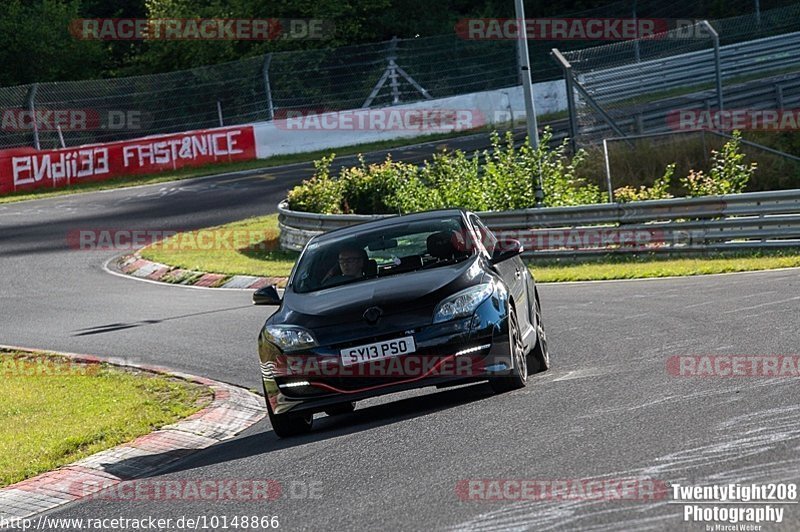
x: 321, y: 193
x: 367, y: 189
x: 502, y: 177
x: 512, y: 174
x: 659, y: 190
x: 728, y: 175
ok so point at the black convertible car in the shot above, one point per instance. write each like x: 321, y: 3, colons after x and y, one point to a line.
x: 427, y: 299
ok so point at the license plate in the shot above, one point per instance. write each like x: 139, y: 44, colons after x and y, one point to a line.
x: 377, y: 351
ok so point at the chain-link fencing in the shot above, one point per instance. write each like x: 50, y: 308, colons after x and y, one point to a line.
x: 50, y: 115
x: 666, y: 81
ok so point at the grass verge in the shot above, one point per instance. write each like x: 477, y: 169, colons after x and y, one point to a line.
x: 649, y: 266
x: 54, y: 411
x: 266, y: 259
x: 263, y: 258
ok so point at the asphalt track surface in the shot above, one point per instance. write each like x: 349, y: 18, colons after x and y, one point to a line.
x: 607, y: 409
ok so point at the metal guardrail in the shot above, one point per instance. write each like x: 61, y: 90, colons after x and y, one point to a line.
x: 659, y: 75
x: 755, y: 220
x: 778, y: 92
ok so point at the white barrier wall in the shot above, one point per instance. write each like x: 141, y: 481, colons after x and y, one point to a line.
x: 349, y: 128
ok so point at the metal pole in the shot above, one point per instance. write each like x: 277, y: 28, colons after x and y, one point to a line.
x: 573, y: 116
x: 393, y: 71
x: 758, y: 14
x: 608, y: 171
x: 527, y: 93
x: 717, y: 62
x: 32, y: 111
x: 219, y: 113
x: 267, y: 88
x: 636, y: 42
x: 61, y: 139
x: 525, y: 71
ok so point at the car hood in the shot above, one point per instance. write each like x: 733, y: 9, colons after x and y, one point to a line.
x: 406, y: 300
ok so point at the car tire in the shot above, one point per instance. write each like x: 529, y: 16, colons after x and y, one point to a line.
x: 287, y: 425
x: 519, y: 375
x: 341, y: 408
x: 539, y: 358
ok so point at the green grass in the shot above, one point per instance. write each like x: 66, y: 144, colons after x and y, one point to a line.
x: 265, y: 259
x: 50, y: 420
x: 272, y: 262
x: 648, y: 266
x: 187, y: 173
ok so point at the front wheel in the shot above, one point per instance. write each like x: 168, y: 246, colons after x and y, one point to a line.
x: 519, y: 375
x: 540, y: 356
x: 287, y: 425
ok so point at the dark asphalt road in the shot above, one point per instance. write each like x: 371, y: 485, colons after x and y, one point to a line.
x: 608, y: 408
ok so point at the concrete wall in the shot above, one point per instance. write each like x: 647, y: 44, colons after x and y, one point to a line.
x: 333, y: 130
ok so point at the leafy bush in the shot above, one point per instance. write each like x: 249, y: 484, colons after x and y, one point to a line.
x: 659, y: 190
x: 512, y: 174
x: 321, y: 193
x: 503, y: 177
x: 506, y: 179
x: 728, y: 175
x: 367, y: 189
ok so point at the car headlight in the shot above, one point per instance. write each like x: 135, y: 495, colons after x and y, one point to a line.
x: 289, y: 337
x: 463, y: 303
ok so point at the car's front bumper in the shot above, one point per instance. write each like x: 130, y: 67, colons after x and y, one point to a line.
x: 465, y: 350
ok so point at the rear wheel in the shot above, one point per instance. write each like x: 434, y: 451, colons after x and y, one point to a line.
x: 519, y: 375
x: 341, y: 408
x: 286, y: 425
x: 540, y: 356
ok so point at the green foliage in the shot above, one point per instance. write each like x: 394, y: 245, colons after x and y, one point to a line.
x: 513, y: 172
x: 659, y: 190
x: 35, y: 43
x: 321, y: 193
x: 729, y: 173
x: 505, y: 180
x: 369, y: 188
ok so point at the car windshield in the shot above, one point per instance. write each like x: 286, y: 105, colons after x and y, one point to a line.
x: 380, y: 252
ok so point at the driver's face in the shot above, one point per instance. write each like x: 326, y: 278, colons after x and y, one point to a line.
x: 351, y: 263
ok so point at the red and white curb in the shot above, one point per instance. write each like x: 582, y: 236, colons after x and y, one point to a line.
x: 231, y: 411
x: 140, y: 268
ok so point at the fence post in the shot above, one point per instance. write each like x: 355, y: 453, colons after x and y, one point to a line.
x: 219, y: 113
x: 636, y: 52
x: 717, y: 62
x: 393, y: 71
x: 573, y: 119
x: 779, y: 95
x: 267, y: 88
x: 608, y: 171
x: 32, y: 110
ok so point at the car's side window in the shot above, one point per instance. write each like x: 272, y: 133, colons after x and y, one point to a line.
x: 488, y: 239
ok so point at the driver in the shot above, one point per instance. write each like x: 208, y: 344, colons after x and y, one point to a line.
x: 352, y: 261
x: 351, y: 265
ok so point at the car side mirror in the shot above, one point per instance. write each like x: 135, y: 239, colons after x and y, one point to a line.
x: 267, y: 295
x: 506, y: 249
